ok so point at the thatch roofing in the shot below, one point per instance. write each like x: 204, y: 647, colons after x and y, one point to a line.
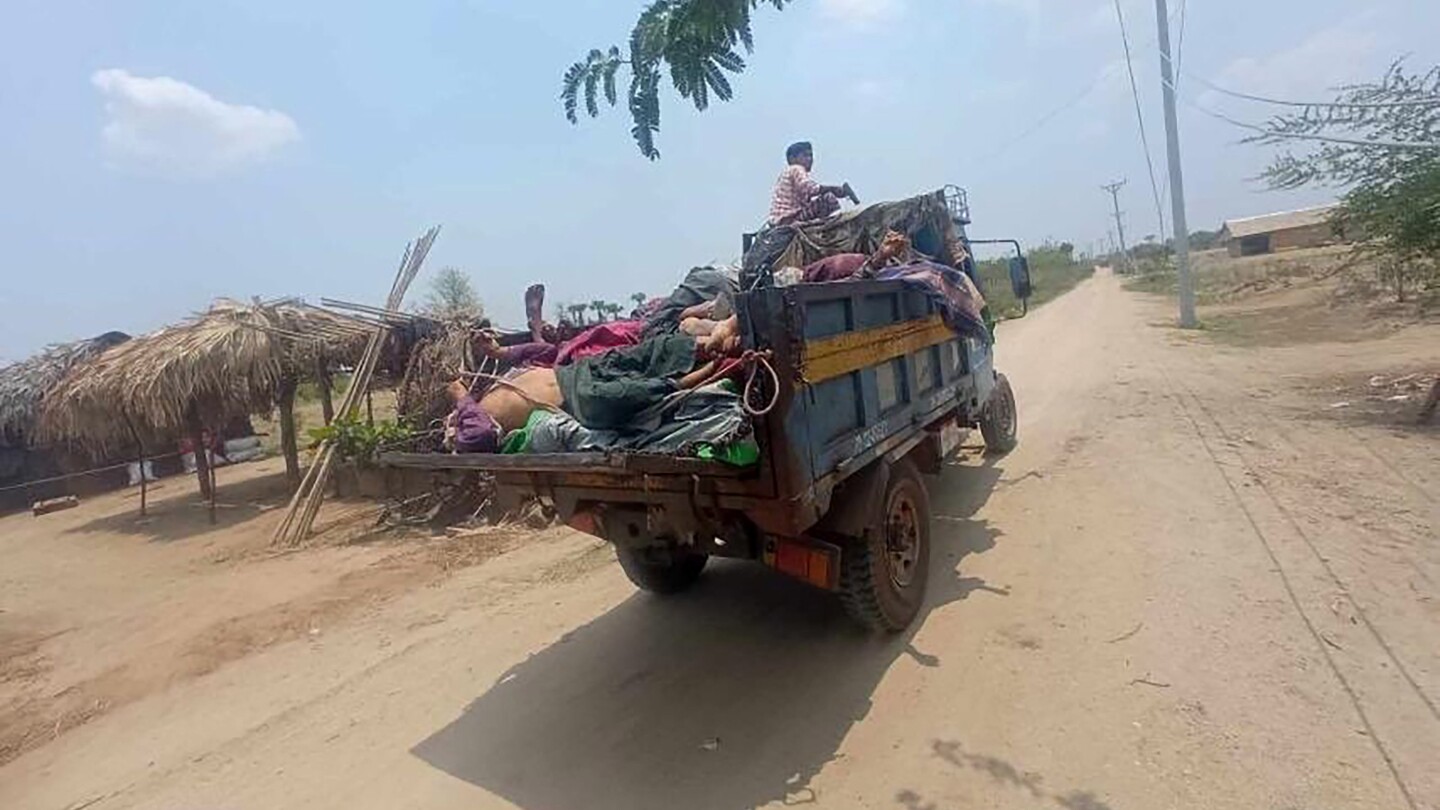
x: 225, y: 361
x: 23, y: 385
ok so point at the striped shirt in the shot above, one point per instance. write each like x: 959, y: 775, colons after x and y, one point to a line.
x: 794, y: 190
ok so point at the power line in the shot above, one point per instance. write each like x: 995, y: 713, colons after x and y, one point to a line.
x: 1356, y: 105
x: 1099, y: 79
x: 1140, y: 116
x: 1300, y: 136
x: 1048, y: 117
x: 1114, y: 189
x: 1180, y: 43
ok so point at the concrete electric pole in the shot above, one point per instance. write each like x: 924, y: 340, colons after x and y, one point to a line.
x: 1114, y: 189
x: 1177, y: 182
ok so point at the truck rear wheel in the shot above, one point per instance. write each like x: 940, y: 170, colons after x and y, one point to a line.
x: 999, y: 423
x: 883, y: 573
x: 661, y: 570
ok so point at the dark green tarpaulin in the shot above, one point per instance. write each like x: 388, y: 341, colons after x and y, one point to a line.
x: 608, y: 390
x: 925, y: 219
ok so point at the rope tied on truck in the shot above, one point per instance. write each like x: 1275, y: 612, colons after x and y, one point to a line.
x: 755, y: 361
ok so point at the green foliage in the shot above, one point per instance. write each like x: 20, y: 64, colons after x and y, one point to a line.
x: 452, y: 297
x: 1149, y: 252
x: 581, y: 314
x: 359, y: 441
x: 1204, y: 240
x: 1053, y: 272
x: 695, y: 41
x: 1393, y: 197
x: 309, y: 390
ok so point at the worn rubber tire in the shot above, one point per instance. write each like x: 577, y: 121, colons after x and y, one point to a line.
x: 868, y: 591
x: 657, y: 572
x: 1000, y: 422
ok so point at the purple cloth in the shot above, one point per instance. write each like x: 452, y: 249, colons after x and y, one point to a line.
x: 475, y: 430
x: 959, y: 300
x: 840, y: 267
x: 599, y: 339
x: 594, y: 340
x: 529, y: 354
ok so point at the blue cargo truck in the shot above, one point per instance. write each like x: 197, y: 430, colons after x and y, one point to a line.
x: 871, y: 391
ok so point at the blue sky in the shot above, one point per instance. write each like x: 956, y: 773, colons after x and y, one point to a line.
x: 157, y: 155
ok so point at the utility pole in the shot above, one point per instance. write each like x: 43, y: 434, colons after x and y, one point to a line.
x: 1114, y: 189
x: 1177, y: 181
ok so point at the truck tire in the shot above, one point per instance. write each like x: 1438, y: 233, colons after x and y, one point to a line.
x: 659, y: 570
x: 883, y: 573
x: 999, y: 423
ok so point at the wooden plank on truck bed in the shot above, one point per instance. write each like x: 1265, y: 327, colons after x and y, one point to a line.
x: 851, y: 351
x: 613, y: 463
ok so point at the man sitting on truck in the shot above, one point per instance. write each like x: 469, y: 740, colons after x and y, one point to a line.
x: 797, y: 196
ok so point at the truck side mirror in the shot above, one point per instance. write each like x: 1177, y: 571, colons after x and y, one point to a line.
x: 1020, y: 277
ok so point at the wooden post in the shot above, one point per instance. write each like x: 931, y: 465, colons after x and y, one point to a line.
x: 369, y: 410
x: 285, y: 403
x: 326, y: 384
x: 202, y: 455
x: 140, y: 459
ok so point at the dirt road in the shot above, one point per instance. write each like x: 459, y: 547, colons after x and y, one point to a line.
x: 1195, y: 584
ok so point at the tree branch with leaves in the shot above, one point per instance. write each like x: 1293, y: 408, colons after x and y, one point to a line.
x: 695, y: 41
x: 452, y: 297
x: 1381, y: 142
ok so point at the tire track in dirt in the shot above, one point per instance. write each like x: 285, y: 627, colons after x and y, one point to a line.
x: 1345, y: 588
x: 1321, y: 642
x: 1424, y: 494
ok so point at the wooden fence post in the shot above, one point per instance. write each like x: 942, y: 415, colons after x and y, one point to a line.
x: 202, y: 454
x: 285, y: 403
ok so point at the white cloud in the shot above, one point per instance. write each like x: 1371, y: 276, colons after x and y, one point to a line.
x: 1139, y: 20
x: 861, y: 12
x: 1031, y: 10
x: 1065, y: 20
x: 164, y: 126
x: 875, y: 90
x: 1329, y: 57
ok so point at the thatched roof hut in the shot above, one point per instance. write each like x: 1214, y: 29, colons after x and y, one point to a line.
x: 25, y: 384
x: 434, y: 360
x: 235, y: 358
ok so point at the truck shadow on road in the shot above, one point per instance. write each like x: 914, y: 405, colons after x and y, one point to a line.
x: 730, y: 696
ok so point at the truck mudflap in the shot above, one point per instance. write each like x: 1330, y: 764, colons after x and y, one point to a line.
x: 806, y: 559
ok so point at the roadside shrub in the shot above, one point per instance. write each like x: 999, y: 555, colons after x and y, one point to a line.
x: 359, y: 441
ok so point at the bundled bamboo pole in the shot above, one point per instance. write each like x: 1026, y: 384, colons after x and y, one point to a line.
x: 305, y: 504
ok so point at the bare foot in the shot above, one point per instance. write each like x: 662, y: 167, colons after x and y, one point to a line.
x: 697, y: 327
x: 704, y: 309
x: 534, y: 311
x: 724, y: 340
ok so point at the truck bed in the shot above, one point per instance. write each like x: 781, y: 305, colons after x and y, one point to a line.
x: 866, y: 369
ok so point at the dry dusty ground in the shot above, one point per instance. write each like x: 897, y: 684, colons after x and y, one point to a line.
x: 1195, y: 584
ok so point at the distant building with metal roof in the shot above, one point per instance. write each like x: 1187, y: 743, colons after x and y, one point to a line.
x: 1287, y: 230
